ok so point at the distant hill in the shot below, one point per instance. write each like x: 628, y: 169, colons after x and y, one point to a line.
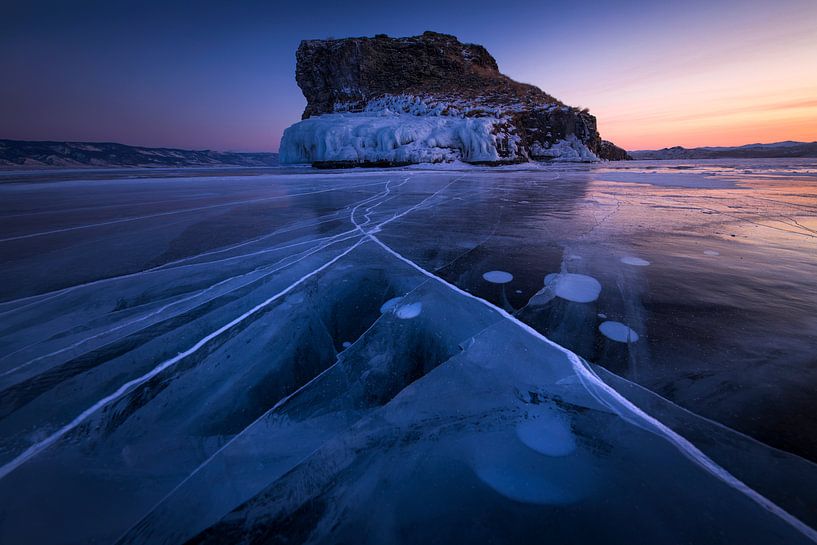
x: 30, y: 154
x: 749, y: 151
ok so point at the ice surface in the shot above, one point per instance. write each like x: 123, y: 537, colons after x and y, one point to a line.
x: 319, y: 357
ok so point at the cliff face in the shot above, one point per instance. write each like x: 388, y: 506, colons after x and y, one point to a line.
x: 355, y: 70
x: 433, y: 75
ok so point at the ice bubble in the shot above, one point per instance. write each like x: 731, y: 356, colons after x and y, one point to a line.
x: 346, y: 344
x: 616, y: 331
x: 711, y: 252
x: 522, y: 486
x: 524, y: 475
x: 602, y: 315
x: 411, y: 310
x: 498, y: 277
x: 578, y: 288
x: 635, y: 261
x: 547, y: 434
x: 518, y: 291
x: 390, y: 304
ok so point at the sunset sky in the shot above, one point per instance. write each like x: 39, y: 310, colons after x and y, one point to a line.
x: 220, y: 75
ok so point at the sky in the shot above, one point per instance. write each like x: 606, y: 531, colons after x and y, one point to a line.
x: 221, y: 75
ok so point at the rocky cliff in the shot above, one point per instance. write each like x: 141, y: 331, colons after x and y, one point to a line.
x: 428, y: 98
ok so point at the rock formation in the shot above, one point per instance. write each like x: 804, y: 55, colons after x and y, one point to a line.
x: 427, y: 98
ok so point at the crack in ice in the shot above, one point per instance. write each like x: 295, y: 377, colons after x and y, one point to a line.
x: 610, y: 398
x: 40, y: 446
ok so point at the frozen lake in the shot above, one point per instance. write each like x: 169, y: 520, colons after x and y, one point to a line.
x: 260, y: 354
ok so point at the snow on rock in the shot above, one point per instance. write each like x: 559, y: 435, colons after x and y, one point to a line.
x: 395, y: 137
x: 568, y: 149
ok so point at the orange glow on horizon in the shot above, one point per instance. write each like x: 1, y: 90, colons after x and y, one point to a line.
x: 712, y: 82
x: 713, y: 127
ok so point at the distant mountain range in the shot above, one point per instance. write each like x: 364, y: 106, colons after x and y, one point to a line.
x: 35, y: 154
x: 749, y: 151
x: 29, y: 154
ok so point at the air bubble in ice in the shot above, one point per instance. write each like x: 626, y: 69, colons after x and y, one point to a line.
x: 390, y: 304
x: 635, y: 261
x: 578, y: 288
x: 498, y: 277
x: 547, y: 434
x: 616, y: 331
x: 411, y: 310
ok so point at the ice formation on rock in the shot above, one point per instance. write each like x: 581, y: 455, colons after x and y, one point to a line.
x: 427, y: 99
x: 395, y: 138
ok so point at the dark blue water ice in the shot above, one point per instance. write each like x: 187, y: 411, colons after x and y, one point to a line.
x: 409, y: 356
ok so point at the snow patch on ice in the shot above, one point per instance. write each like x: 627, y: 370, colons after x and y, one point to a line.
x: 498, y: 277
x: 616, y: 331
x: 578, y: 288
x: 712, y: 253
